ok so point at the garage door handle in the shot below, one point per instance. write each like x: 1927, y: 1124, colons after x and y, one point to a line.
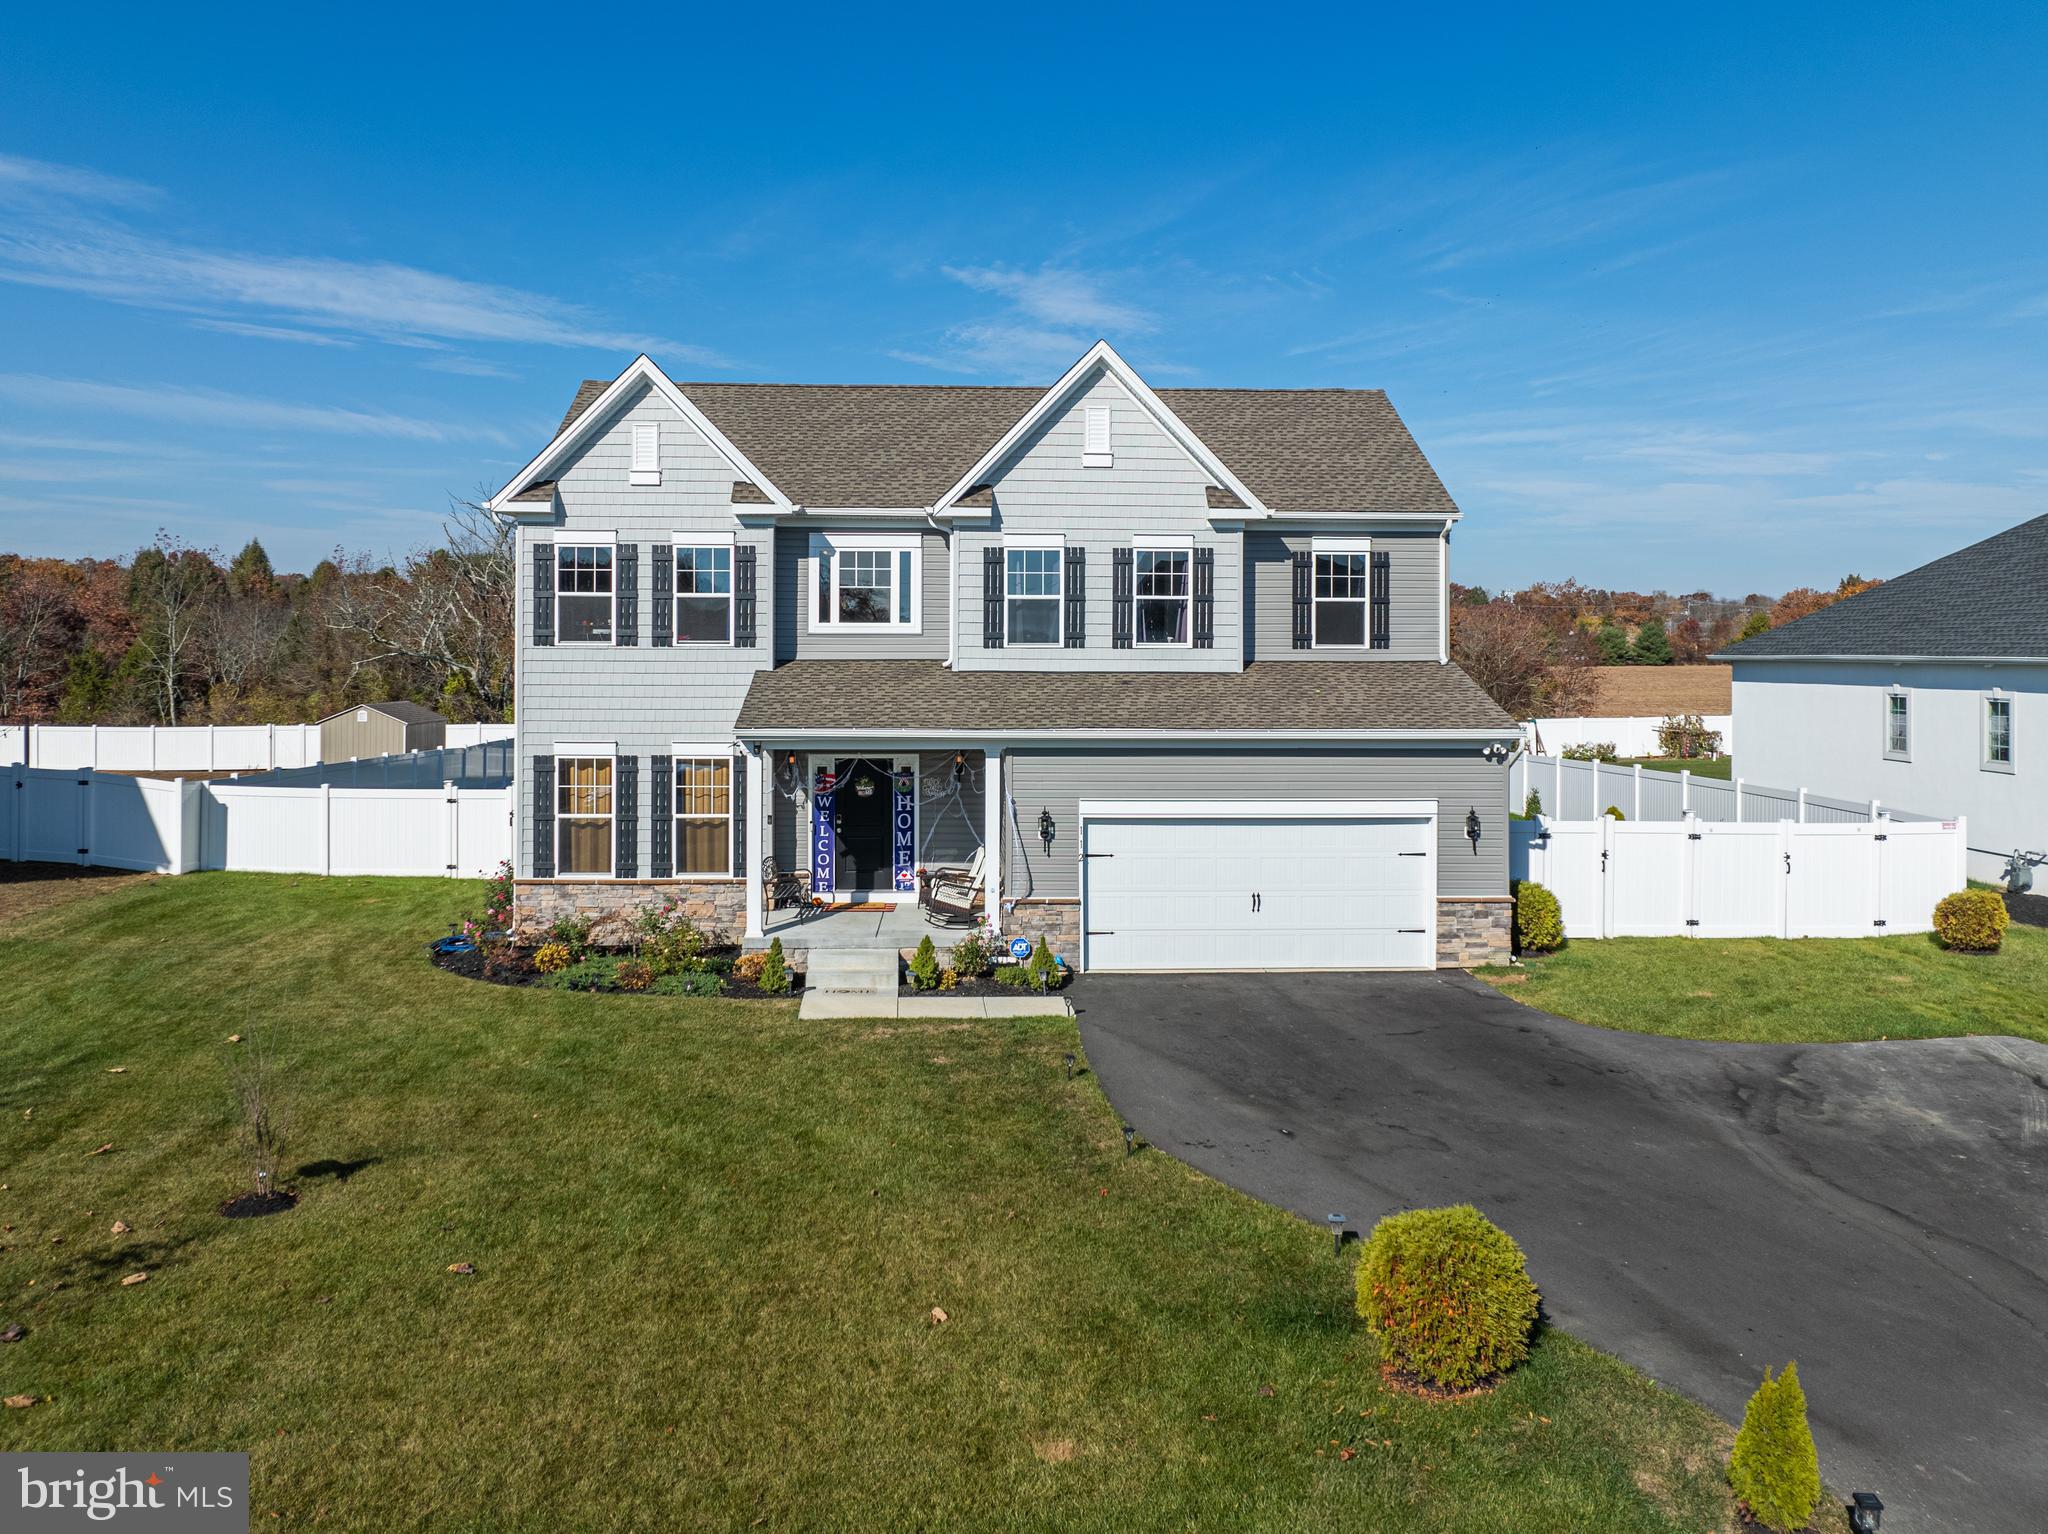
x: 1098, y: 854
x: 1093, y: 933
x: 1405, y: 930
x: 1412, y: 854
x: 1255, y: 902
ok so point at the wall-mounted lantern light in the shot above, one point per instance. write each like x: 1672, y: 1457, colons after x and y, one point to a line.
x: 1045, y: 828
x: 1472, y: 828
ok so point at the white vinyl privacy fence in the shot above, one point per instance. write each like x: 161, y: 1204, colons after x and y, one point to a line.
x: 187, y: 748
x: 1629, y: 734
x: 1572, y: 790
x: 1698, y: 878
x: 178, y: 826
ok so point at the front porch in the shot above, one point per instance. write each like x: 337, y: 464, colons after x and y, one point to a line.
x: 808, y: 926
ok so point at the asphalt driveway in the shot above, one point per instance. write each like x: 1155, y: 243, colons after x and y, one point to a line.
x: 1872, y: 1210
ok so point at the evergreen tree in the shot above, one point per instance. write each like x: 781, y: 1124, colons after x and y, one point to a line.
x: 1756, y: 623
x: 250, y: 575
x: 1774, y: 1467
x: 1613, y: 643
x: 1652, y: 646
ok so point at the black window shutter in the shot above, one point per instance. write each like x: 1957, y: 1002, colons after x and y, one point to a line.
x: 1205, y: 599
x: 1120, y: 599
x: 992, y: 598
x: 1304, y: 600
x: 626, y: 817
x: 543, y: 593
x: 739, y: 814
x: 627, y: 562
x: 743, y: 603
x: 1077, y: 598
x: 662, y: 591
x: 1382, y: 602
x: 661, y: 822
x: 543, y: 817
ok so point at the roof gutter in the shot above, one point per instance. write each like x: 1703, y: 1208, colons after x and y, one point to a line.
x: 915, y: 735
x: 1734, y: 658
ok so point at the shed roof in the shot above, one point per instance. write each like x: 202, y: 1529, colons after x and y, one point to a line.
x: 408, y: 713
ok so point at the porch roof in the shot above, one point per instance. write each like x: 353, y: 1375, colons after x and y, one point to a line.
x: 923, y: 696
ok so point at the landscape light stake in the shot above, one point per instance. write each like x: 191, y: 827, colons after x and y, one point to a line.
x: 1866, y: 1513
x: 1070, y: 1067
x: 1130, y: 1139
x: 1336, y: 1224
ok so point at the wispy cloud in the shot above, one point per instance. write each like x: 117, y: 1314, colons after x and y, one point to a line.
x: 23, y: 179
x: 1063, y: 297
x: 215, y: 407
x: 1051, y: 315
x: 272, y: 333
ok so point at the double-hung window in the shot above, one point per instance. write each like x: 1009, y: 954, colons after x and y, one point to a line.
x: 1032, y: 588
x: 704, y: 815
x: 1898, y: 725
x: 865, y: 580
x: 583, y: 815
x: 1997, y: 733
x: 704, y: 594
x: 583, y: 593
x: 1343, y: 585
x: 1160, y: 592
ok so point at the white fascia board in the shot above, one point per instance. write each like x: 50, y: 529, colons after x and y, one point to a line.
x: 1034, y: 540
x: 1103, y: 355
x: 642, y: 369
x: 1258, y: 809
x: 586, y: 748
x: 1342, y: 543
x: 1282, y: 519
x: 593, y: 537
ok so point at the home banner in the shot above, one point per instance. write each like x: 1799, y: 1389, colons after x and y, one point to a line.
x: 824, y: 845
x: 903, y: 828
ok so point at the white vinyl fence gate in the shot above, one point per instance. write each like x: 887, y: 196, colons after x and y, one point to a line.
x: 177, y: 826
x: 1698, y: 878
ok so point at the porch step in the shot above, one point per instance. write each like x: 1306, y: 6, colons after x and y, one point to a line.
x: 852, y: 971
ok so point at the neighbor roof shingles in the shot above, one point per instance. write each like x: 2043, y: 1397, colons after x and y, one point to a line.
x: 1988, y: 600
x: 903, y: 445
x: 923, y: 695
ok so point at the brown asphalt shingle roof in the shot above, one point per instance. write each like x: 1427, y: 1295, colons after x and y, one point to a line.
x: 922, y: 695
x: 885, y: 445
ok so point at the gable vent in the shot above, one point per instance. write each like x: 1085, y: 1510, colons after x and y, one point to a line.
x: 646, y: 453
x: 1095, y: 453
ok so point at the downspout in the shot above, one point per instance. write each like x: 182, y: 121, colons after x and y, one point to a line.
x: 1443, y: 594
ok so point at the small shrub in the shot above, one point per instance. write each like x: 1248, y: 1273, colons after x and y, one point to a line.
x: 1533, y: 805
x: 573, y: 933
x: 599, y: 972
x: 924, y: 966
x: 1014, y: 976
x: 949, y: 979
x: 747, y: 967
x: 1774, y: 1468
x: 691, y: 983
x: 1971, y: 921
x: 1447, y: 1295
x: 1591, y: 751
x: 1045, y: 971
x: 498, y: 899
x: 262, y: 1124
x: 1686, y: 737
x: 1539, y: 919
x: 551, y: 958
x: 774, y: 971
x: 1613, y: 812
x: 973, y: 953
x: 668, y: 940
x: 634, y: 975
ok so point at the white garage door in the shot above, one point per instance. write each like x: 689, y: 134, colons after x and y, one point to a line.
x: 1249, y: 891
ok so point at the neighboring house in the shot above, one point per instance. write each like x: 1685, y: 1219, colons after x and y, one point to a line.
x: 1628, y: 704
x: 1929, y: 692
x: 380, y: 729
x: 1177, y: 660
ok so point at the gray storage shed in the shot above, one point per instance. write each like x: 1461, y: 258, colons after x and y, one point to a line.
x: 380, y: 729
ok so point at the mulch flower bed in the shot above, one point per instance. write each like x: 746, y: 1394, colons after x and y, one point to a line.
x: 513, y: 965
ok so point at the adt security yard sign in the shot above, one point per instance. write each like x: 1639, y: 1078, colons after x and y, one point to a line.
x: 1020, y: 947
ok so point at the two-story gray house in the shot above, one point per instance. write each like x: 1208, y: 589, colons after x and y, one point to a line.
x: 1168, y: 669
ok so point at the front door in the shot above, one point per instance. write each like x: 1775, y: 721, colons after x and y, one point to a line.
x: 861, y: 806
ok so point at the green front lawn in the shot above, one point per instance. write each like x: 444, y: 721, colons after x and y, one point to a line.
x: 1811, y: 990
x: 709, y: 1242
x: 1722, y: 767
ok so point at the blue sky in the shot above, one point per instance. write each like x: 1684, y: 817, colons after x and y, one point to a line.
x: 1739, y: 298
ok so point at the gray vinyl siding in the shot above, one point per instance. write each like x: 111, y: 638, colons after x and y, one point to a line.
x: 949, y: 822
x: 795, y: 601
x: 641, y: 697
x: 1414, y: 611
x: 1152, y: 486
x: 1458, y: 778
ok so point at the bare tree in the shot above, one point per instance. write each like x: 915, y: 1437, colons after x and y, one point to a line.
x: 1524, y: 664
x: 170, y: 590
x: 447, y: 611
x: 38, y: 624
x: 243, y: 638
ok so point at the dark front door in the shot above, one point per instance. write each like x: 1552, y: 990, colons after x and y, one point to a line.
x: 865, y: 865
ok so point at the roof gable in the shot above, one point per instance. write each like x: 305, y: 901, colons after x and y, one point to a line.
x: 1988, y: 601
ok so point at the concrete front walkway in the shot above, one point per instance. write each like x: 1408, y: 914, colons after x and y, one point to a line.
x: 1875, y: 1211
x: 824, y: 1004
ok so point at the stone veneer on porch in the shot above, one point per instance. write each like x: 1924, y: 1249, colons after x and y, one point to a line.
x: 715, y: 904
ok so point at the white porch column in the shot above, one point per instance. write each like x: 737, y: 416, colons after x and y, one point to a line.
x: 757, y: 837
x: 992, y: 836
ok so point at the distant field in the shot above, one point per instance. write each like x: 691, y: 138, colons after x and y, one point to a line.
x: 1662, y: 690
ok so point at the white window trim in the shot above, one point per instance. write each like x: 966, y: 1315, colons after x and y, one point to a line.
x: 578, y: 752
x: 681, y: 754
x: 1057, y: 541
x: 1891, y: 753
x: 1337, y: 545
x: 645, y: 473
x: 677, y: 594
x: 1175, y: 543
x: 2012, y: 732
x: 897, y: 543
x: 591, y: 541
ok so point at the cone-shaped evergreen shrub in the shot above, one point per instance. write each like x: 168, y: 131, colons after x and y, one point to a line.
x: 775, y: 971
x: 1447, y: 1294
x: 1539, y: 919
x: 1043, y: 967
x: 1774, y: 1468
x: 924, y: 966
